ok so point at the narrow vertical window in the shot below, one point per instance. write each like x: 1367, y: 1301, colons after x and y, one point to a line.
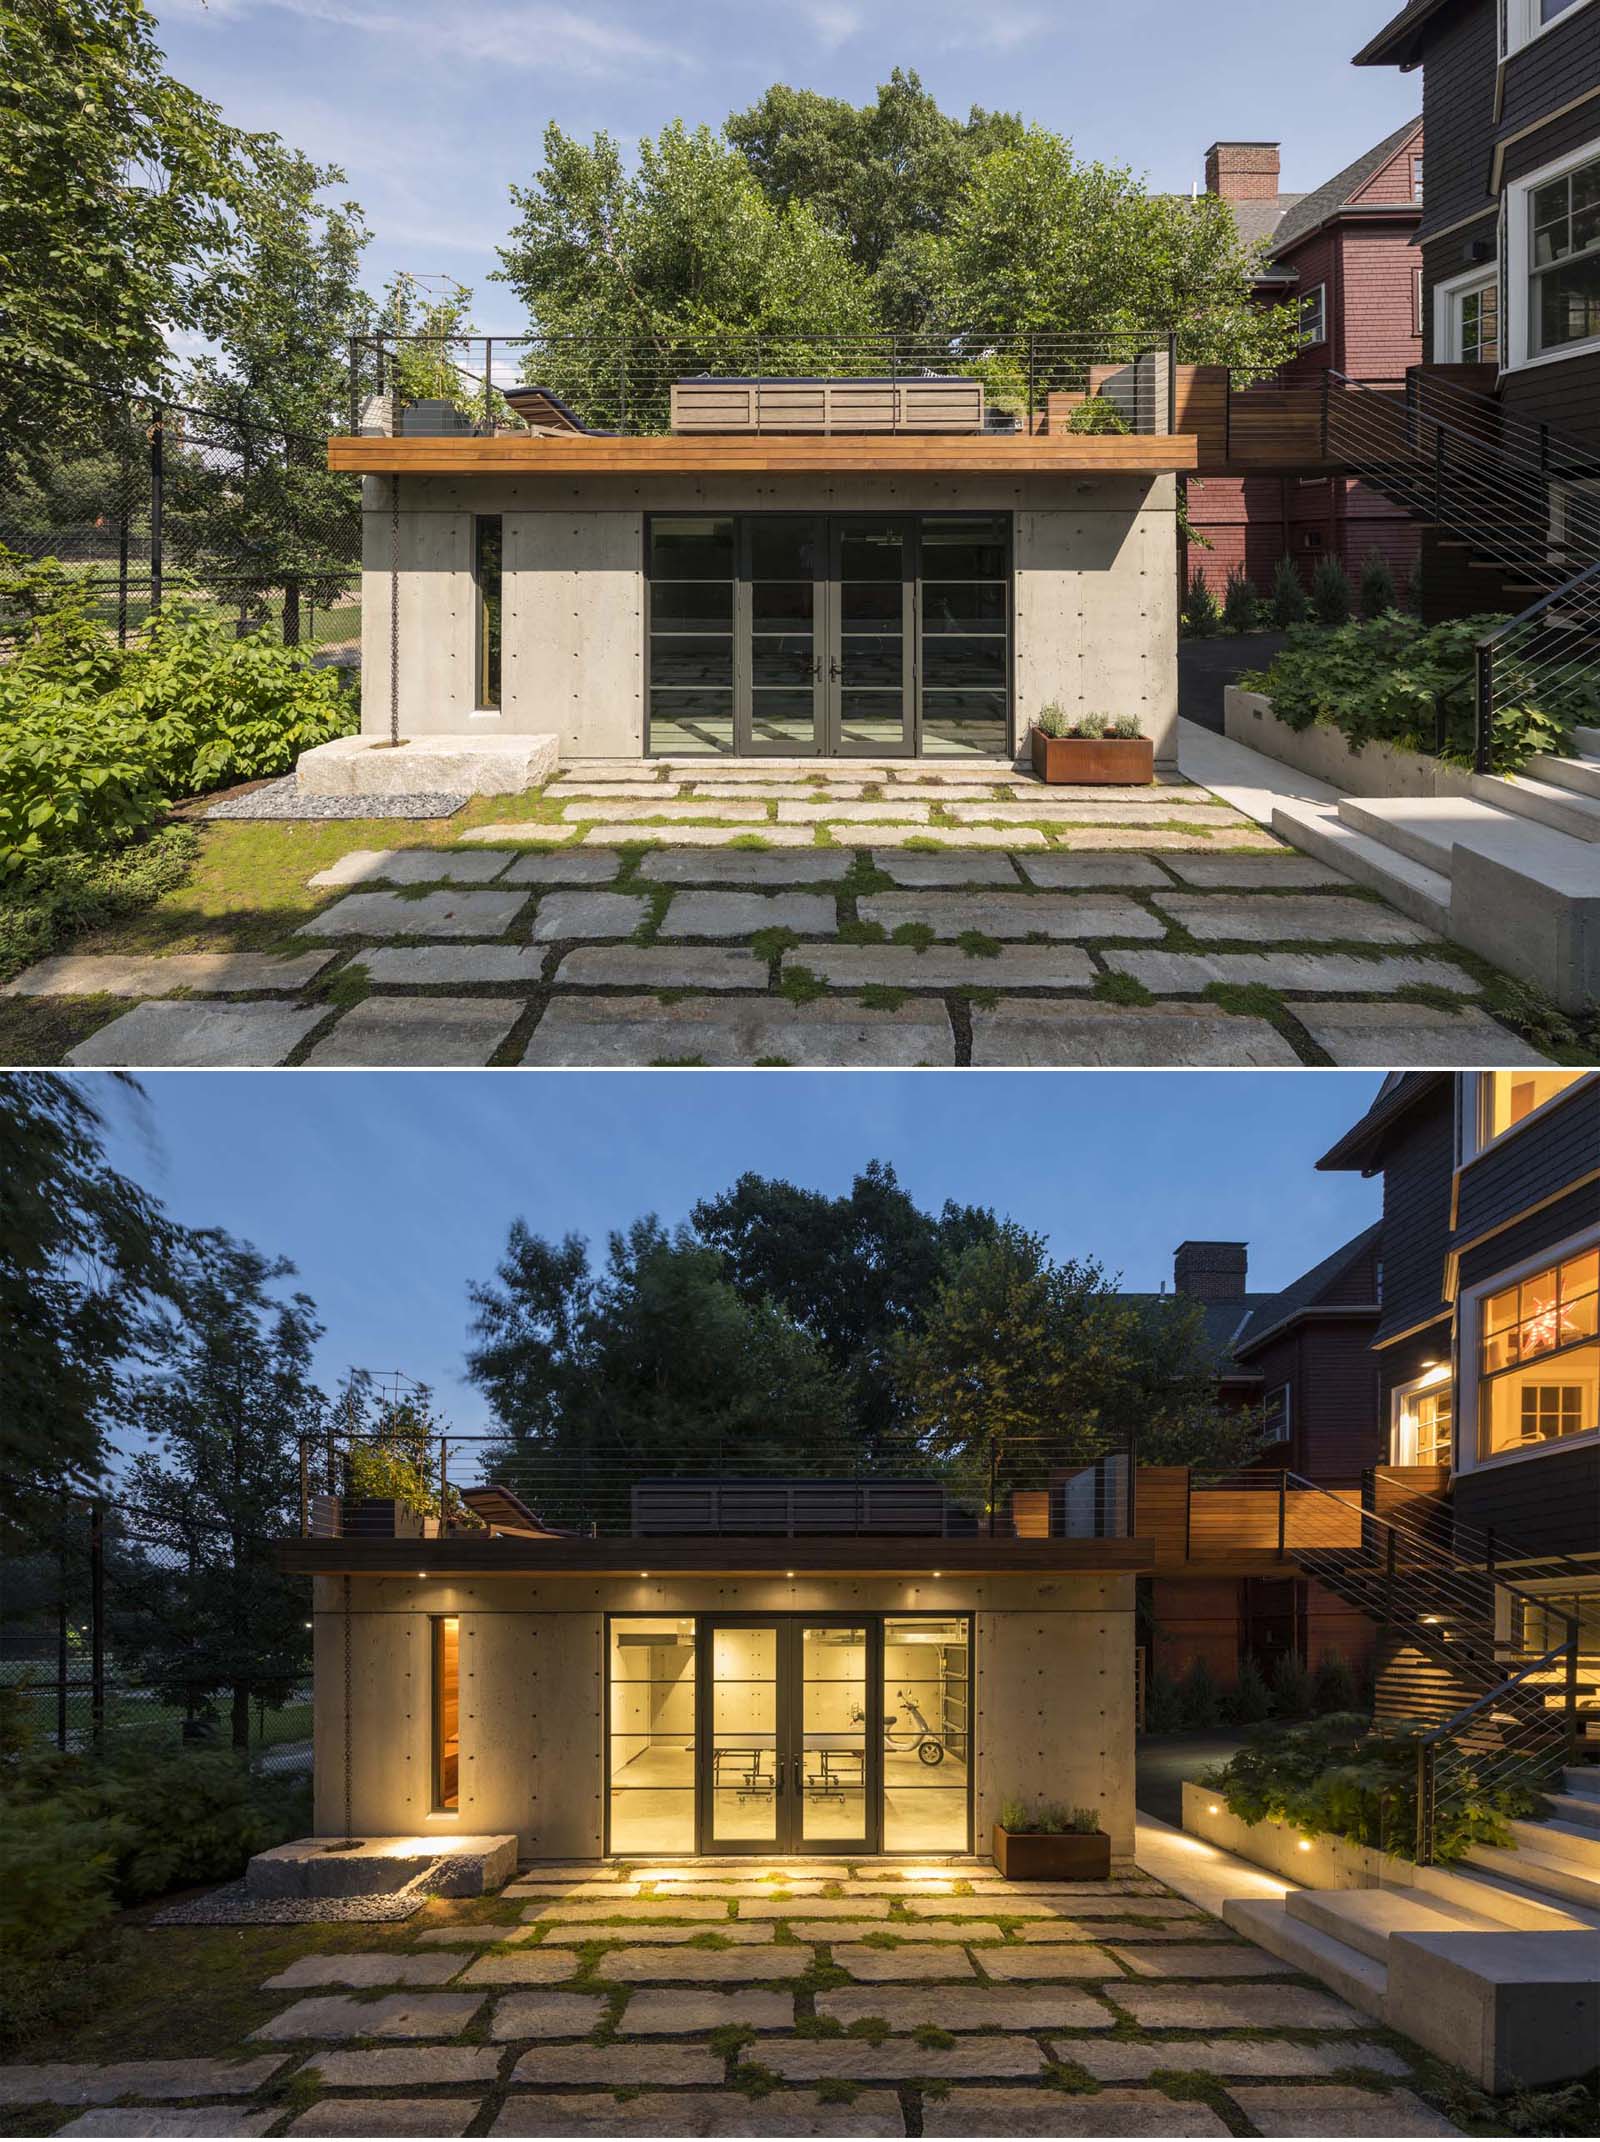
x: 486, y: 569
x: 446, y: 1713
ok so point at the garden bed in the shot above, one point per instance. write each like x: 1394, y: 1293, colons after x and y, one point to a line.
x: 1326, y: 753
x: 1314, y: 1863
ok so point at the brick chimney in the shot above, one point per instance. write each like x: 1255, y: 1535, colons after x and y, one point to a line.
x: 1243, y: 170
x: 1210, y: 1271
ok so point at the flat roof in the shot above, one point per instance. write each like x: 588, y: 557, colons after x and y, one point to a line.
x: 697, y: 1555
x: 772, y: 453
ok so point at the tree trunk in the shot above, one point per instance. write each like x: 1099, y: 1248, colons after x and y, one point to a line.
x: 241, y: 1716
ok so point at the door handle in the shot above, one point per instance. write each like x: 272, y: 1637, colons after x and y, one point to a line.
x: 833, y: 666
x: 779, y: 1766
x: 799, y: 1773
x: 816, y: 670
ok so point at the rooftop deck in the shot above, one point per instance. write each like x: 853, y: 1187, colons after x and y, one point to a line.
x: 710, y: 454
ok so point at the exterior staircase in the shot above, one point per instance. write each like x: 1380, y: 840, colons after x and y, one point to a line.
x: 1507, y: 865
x: 1492, y: 1962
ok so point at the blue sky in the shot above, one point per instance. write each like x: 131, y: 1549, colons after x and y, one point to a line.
x: 434, y: 110
x: 391, y: 1191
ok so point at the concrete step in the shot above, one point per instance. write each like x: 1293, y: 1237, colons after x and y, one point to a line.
x: 1580, y: 1810
x: 1543, y: 801
x: 1586, y: 742
x: 1429, y: 829
x: 1555, y: 1837
x: 1511, y: 1902
x: 1316, y: 829
x: 1365, y: 1919
x: 1342, y: 1969
x: 1581, y: 775
x: 1583, y: 1780
x: 1544, y: 1872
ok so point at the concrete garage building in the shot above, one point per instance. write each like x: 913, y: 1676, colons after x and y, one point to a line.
x: 857, y: 1690
x: 883, y: 591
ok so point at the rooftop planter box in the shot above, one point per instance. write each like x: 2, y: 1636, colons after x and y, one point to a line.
x: 827, y: 405
x: 1093, y: 761
x: 1057, y: 1853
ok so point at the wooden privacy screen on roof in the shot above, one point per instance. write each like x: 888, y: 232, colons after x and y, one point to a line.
x: 735, y: 405
x: 788, y: 1508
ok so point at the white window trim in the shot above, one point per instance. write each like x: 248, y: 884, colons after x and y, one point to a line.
x: 1517, y: 251
x: 1468, y: 1325
x: 1434, y: 1379
x: 1473, y: 1143
x: 1445, y: 295
x: 1521, y: 30
x: 1319, y: 340
x: 1284, y: 1391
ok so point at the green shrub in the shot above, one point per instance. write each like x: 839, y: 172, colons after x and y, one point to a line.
x: 1098, y: 416
x: 1378, y: 681
x: 1125, y: 728
x: 1340, y: 1776
x: 95, y: 739
x: 1331, y: 596
x: 1241, y: 605
x: 1376, y: 592
x: 1201, y: 616
x: 1047, y: 1818
x: 48, y: 899
x: 1199, y: 1698
x: 1053, y: 720
x: 1291, y: 1686
x: 1092, y: 726
x: 1333, y: 1686
x: 1288, y: 603
x: 56, y: 1895
x: 1250, y: 1700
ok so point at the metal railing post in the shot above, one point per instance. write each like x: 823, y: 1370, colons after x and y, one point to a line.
x: 1031, y: 392
x: 305, y: 1488
x: 1388, y: 1577
x: 157, y: 489
x: 355, y: 385
x: 1283, y: 1512
x: 1327, y: 401
x: 1483, y: 670
x: 444, y: 1480
x: 1172, y: 381
x: 1570, y: 1692
x: 97, y: 1620
x: 1438, y: 471
x: 1424, y: 1806
x: 488, y: 381
x: 122, y: 578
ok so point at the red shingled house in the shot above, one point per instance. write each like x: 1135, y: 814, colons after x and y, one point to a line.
x: 1345, y: 254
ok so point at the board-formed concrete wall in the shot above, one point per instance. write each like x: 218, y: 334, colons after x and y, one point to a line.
x: 1095, y: 604
x: 1053, y: 1671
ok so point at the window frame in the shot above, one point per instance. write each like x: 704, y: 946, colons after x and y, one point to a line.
x: 1416, y: 175
x: 1520, y: 25
x: 488, y: 651
x: 439, y: 1805
x: 1317, y: 295
x: 1402, y: 1399
x: 1476, y: 1138
x: 1284, y: 1394
x: 1470, y: 1453
x: 1447, y: 299
x: 1517, y: 353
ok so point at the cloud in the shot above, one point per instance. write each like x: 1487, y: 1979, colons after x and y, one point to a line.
x: 833, y: 26
x: 553, y: 38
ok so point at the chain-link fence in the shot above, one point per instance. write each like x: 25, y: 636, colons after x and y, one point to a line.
x: 151, y: 501
x: 115, y: 1627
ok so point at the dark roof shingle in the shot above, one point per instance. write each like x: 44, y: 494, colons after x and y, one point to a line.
x: 1313, y: 209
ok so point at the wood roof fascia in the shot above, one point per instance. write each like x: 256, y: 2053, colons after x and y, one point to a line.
x: 702, y: 454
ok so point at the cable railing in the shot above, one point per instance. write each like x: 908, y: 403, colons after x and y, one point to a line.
x: 1519, y: 498
x: 408, y: 1485
x: 1116, y: 378
x: 1502, y: 1748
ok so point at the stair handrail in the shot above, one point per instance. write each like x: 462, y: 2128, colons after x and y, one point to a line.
x: 1429, y: 1743
x: 1508, y: 426
x: 1483, y: 659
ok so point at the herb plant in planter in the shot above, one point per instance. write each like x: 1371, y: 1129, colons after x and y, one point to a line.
x: 1045, y: 1842
x: 1095, y: 749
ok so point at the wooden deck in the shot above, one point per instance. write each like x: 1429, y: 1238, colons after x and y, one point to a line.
x: 769, y: 454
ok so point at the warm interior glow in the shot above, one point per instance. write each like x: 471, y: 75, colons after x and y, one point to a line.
x: 1511, y: 1096
x: 1539, y: 1357
x: 447, y: 1712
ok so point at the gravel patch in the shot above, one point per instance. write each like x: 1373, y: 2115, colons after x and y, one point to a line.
x: 286, y: 799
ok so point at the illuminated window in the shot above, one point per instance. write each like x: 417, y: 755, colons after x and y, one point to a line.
x: 446, y: 1712
x: 652, y: 1725
x: 1508, y: 1097
x: 1423, y: 1421
x: 1539, y: 1358
x: 926, y: 1738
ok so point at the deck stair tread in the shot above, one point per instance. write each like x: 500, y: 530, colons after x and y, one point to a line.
x: 1550, y: 803
x: 1513, y: 1903
x: 1429, y: 829
x: 1344, y: 1970
x: 1365, y: 1919
x: 1414, y: 888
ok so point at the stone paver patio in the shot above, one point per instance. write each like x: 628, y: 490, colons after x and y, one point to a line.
x: 897, y: 915
x: 847, y: 2023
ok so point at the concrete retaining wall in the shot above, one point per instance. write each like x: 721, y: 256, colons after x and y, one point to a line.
x: 1325, y: 753
x: 1315, y: 1863
x: 1095, y: 616
x: 1053, y: 1689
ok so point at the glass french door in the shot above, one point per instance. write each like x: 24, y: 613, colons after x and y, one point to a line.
x: 871, y: 705
x: 791, y: 1749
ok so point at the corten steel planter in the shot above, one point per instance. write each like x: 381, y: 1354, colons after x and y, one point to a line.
x: 1120, y: 761
x: 1052, y: 1856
